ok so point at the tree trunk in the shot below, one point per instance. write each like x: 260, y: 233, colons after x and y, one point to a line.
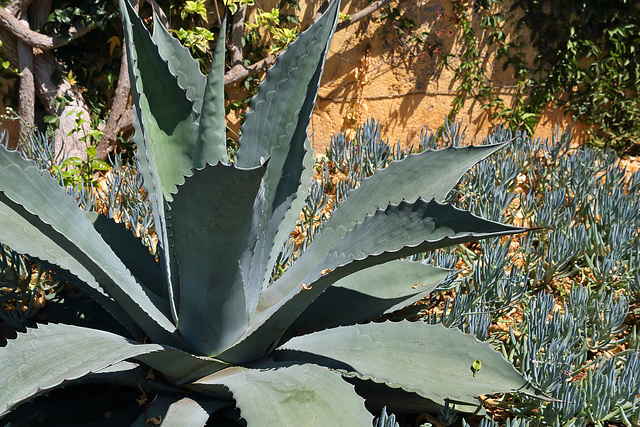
x: 118, y: 115
x: 74, y: 112
x: 64, y: 101
x: 27, y: 91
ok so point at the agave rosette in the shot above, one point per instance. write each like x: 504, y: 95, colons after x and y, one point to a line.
x: 206, y: 316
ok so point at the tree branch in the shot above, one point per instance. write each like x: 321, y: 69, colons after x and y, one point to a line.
x: 363, y: 13
x: 323, y: 7
x: 17, y: 7
x: 34, y: 39
x: 239, y: 71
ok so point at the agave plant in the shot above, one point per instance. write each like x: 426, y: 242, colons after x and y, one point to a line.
x: 220, y: 336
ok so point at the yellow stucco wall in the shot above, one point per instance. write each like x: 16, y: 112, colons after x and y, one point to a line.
x: 370, y: 73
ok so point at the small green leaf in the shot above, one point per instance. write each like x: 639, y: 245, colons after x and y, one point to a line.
x: 94, y: 133
x: 72, y: 161
x: 99, y: 165
x: 196, y: 7
x: 91, y: 151
x: 51, y: 119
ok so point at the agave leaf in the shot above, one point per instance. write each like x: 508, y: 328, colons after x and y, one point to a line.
x: 39, y: 219
x: 211, y: 145
x: 400, y: 401
x: 97, y: 308
x: 407, y: 179
x: 176, y: 366
x: 166, y: 121
x: 132, y: 252
x: 180, y: 367
x: 68, y: 353
x: 213, y: 226
x: 81, y: 309
x: 279, y: 113
x: 275, y: 128
x: 165, y: 126
x: 276, y: 394
x: 180, y: 63
x: 180, y: 411
x: 277, y: 234
x: 368, y: 293
x: 129, y: 374
x: 408, y: 228
x: 395, y: 232
x: 428, y: 175
x: 441, y: 359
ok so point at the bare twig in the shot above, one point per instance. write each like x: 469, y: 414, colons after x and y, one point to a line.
x: 218, y: 13
x: 240, y: 72
x: 363, y: 13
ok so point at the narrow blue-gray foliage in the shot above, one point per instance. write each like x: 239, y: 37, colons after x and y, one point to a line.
x: 590, y: 210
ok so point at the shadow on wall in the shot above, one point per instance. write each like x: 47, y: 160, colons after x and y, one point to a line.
x: 377, y: 68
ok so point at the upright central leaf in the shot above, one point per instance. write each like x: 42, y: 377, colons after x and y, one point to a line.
x: 164, y: 125
x: 276, y: 129
x: 213, y: 226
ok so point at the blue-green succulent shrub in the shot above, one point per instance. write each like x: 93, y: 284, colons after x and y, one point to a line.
x: 568, y: 294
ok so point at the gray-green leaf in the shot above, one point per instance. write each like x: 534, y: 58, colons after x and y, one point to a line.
x: 283, y: 394
x: 45, y: 358
x: 371, y: 292
x: 426, y: 359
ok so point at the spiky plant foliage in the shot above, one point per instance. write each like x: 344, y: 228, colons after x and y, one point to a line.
x: 224, y: 341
